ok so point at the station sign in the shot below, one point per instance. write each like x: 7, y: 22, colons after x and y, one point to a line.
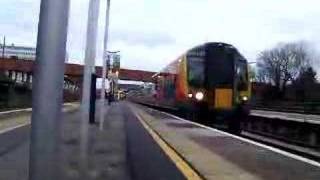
x: 107, y: 59
x: 116, y: 61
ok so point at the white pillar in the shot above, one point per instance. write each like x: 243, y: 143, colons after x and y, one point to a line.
x: 48, y: 82
x: 90, y: 55
x: 104, y: 66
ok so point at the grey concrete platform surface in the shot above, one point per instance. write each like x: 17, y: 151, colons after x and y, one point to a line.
x: 219, y: 155
x: 123, y: 150
x: 126, y: 149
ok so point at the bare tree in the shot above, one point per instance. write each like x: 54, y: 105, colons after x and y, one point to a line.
x: 305, y: 84
x: 252, y: 73
x: 261, y: 76
x: 282, y: 64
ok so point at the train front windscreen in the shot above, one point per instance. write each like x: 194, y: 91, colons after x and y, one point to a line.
x: 220, y: 71
x: 241, y: 75
x: 196, y: 71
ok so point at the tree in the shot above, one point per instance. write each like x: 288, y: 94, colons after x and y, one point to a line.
x: 305, y: 83
x: 282, y: 64
x: 307, y: 76
x: 252, y: 73
x: 261, y: 75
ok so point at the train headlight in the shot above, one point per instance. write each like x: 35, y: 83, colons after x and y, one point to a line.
x: 244, y: 98
x: 199, y: 96
x: 190, y: 95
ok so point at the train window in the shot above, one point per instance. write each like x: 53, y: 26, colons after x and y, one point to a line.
x: 238, y: 70
x: 242, y: 76
x: 220, y: 67
x: 196, y: 71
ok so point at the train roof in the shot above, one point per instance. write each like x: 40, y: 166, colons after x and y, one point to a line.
x: 201, y: 47
x: 213, y: 45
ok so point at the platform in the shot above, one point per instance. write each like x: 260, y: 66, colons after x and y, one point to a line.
x: 122, y: 150
x: 141, y: 143
x: 298, y: 117
x: 219, y: 155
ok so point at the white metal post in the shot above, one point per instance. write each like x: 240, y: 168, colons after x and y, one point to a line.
x: 104, y: 66
x: 3, y: 46
x: 90, y: 55
x: 48, y: 83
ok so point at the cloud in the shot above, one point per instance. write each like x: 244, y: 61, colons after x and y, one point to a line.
x: 147, y: 58
x: 19, y: 21
x: 149, y: 34
x: 134, y: 38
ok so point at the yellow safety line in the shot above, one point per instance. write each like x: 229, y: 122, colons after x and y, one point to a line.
x: 181, y: 164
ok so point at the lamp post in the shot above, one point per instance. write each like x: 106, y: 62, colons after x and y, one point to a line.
x: 90, y: 55
x: 104, y: 66
x: 3, y: 46
x: 108, y: 55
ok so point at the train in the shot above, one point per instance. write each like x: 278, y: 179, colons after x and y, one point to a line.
x: 208, y: 83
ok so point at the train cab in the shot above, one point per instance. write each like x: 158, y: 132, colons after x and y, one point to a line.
x: 210, y: 82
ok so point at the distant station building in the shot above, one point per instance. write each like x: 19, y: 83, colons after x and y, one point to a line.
x: 21, y: 52
x: 18, y: 52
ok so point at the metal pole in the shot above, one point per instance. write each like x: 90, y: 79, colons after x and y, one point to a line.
x: 90, y: 55
x: 3, y: 46
x: 104, y: 66
x: 48, y: 82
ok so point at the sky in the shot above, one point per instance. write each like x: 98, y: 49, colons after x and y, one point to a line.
x: 151, y: 33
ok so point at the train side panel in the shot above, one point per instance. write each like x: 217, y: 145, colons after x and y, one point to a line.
x: 166, y: 85
x: 181, y: 81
